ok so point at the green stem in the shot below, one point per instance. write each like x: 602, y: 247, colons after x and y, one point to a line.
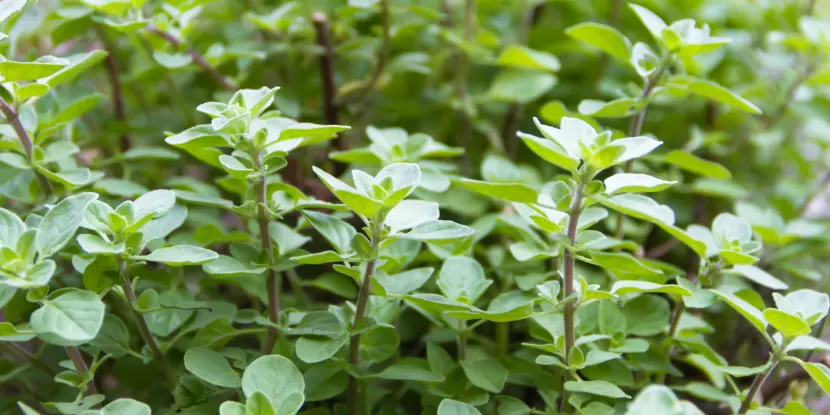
x: 759, y: 381
x: 462, y: 340
x: 12, y: 118
x: 636, y: 126
x: 80, y: 367
x: 33, y: 360
x: 360, y: 310
x: 271, y: 280
x: 297, y: 286
x: 143, y: 328
x: 570, y: 307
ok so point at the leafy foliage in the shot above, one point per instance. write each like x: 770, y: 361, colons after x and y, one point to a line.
x: 460, y: 207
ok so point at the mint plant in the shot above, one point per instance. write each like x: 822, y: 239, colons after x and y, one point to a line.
x: 456, y: 207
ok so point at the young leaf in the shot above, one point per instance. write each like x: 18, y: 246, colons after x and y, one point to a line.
x: 71, y: 318
x: 606, y: 38
x: 179, y: 255
x: 60, y: 223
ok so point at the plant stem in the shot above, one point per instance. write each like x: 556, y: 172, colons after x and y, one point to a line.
x: 25, y: 142
x: 360, y: 310
x: 461, y: 80
x: 207, y: 67
x: 383, y: 56
x: 115, y: 84
x: 296, y: 286
x: 271, y: 283
x: 759, y: 382
x: 514, y: 112
x: 570, y: 307
x: 462, y: 340
x: 146, y: 334
x: 636, y: 126
x: 326, y: 62
x: 80, y: 366
x: 24, y: 354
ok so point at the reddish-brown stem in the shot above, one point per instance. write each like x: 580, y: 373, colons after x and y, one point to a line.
x: 207, y: 67
x: 24, y: 354
x: 326, y: 61
x: 383, y: 56
x: 143, y: 328
x: 115, y: 84
x: 25, y: 142
x: 80, y: 366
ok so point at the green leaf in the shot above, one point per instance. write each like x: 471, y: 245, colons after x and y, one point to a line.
x: 550, y: 152
x: 462, y: 279
x: 94, y: 244
x: 635, y: 183
x: 234, y: 167
x: 402, y: 283
x: 11, y: 228
x: 10, y: 333
x: 596, y: 387
x: 759, y: 276
x: 451, y: 407
x: 819, y: 372
x: 752, y: 314
x: 618, y: 108
x: 231, y: 408
x: 113, y: 337
x: 787, y: 324
x: 439, y: 232
x: 77, y: 64
x: 411, y: 369
x: 172, y: 60
x: 694, y: 164
x: 408, y: 214
x: 11, y: 8
x: 211, y: 367
x: 511, y: 192
x: 42, y: 67
x: 518, y: 56
x: 71, y: 318
x: 520, y: 85
x: 229, y: 267
x: 359, y: 203
x: 179, y: 255
x: 120, y: 187
x: 336, y: 231
x: 630, y: 286
x: 715, y: 92
x: 379, y: 343
x: 652, y: 22
x: 809, y: 305
x: 277, y: 378
x: 125, y: 406
x: 318, y: 349
x: 153, y: 204
x: 60, y: 223
x: 654, y: 399
x: 487, y: 374
x: 24, y: 92
x: 646, y: 315
x: 606, y: 38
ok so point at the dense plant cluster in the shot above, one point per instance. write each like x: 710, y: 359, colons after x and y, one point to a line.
x: 460, y: 207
